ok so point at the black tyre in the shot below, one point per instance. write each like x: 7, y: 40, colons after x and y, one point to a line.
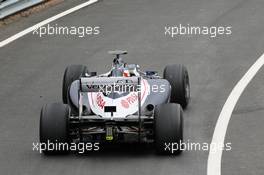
x: 168, y: 128
x: 53, y: 128
x: 178, y: 77
x: 72, y: 73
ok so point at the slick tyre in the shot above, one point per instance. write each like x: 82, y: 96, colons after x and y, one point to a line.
x: 71, y: 73
x: 178, y: 77
x: 53, y: 129
x: 168, y: 128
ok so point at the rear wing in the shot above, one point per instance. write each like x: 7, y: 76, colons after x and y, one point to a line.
x: 110, y: 84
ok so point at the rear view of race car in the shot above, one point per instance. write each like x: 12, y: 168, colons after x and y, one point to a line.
x: 123, y: 105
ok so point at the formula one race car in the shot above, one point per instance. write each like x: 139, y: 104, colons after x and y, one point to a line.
x: 124, y: 105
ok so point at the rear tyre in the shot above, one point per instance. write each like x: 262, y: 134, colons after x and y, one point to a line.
x: 53, y: 129
x: 72, y: 73
x: 178, y: 77
x: 168, y: 128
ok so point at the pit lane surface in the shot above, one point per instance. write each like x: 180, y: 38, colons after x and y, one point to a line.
x: 31, y: 71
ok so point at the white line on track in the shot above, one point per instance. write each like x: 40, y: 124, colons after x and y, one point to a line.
x: 32, y: 28
x: 214, y: 158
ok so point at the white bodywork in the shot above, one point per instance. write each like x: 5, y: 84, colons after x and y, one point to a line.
x: 125, y: 105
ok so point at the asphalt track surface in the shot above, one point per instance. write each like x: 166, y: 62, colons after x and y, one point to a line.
x: 31, y: 71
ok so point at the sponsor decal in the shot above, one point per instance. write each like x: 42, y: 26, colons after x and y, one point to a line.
x: 100, y: 101
x: 124, y: 103
x: 130, y: 100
